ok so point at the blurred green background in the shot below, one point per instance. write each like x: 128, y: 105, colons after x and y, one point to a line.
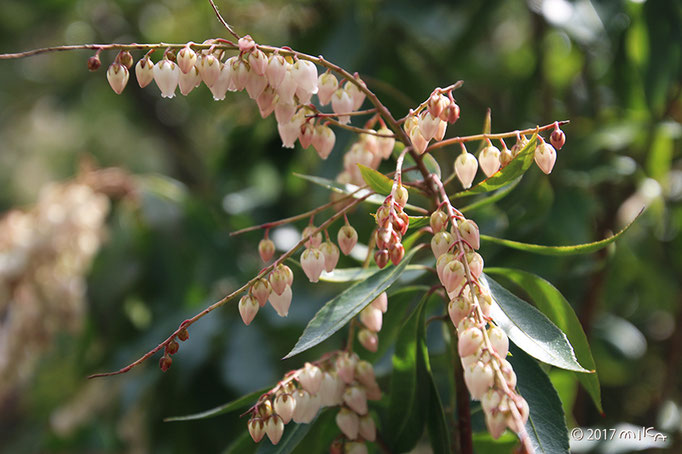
x: 205, y: 168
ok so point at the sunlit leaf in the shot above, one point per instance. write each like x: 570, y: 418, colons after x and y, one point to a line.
x: 530, y: 329
x: 492, y: 198
x: 376, y: 180
x: 338, y: 311
x: 419, y: 221
x: 553, y: 304
x: 357, y: 273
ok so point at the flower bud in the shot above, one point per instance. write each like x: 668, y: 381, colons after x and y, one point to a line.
x: 441, y: 242
x: 499, y: 340
x: 209, y: 69
x: 419, y: 142
x: 331, y: 255
x: 497, y: 424
x: 323, y: 140
x: 281, y: 302
x: 381, y: 302
x: 491, y: 400
x: 458, y: 309
x: 345, y: 366
x: 313, y: 407
x: 356, y: 399
x: 465, y: 168
x: 437, y: 104
x: 442, y: 129
x: 117, y: 75
x: 468, y: 229
x: 368, y: 339
x: 508, y: 373
x: 545, y: 157
x: 452, y: 113
x: 248, y: 308
x: 327, y: 84
x: 470, y: 340
x: 258, y: 62
x: 94, y: 63
x: 371, y: 317
x: 183, y: 335
x: 557, y: 139
x: 385, y: 144
x: 305, y: 73
x: 520, y: 144
x: 438, y: 221
x: 256, y: 429
x: 246, y: 43
x: 302, y: 398
x: 410, y: 123
x: 315, y: 237
x: 453, y: 276
x: 396, y: 253
x: 166, y: 76
x: 428, y: 125
x: 479, y: 377
x: 310, y: 377
x: 489, y: 160
x: 341, y: 104
x: 475, y: 262
x: 266, y: 249
x: 506, y: 157
x: 368, y: 429
x: 288, y: 132
x: 125, y: 59
x: 266, y: 102
x: 186, y: 59
x: 442, y: 262
x: 165, y: 362
x: 355, y: 447
x: 329, y: 389
x: 347, y: 238
x: 381, y: 258
x: 274, y: 428
x: 400, y: 195
x: 284, y: 405
x: 280, y: 278
x: 255, y: 84
x: 348, y: 422
x: 305, y: 135
x: 276, y: 70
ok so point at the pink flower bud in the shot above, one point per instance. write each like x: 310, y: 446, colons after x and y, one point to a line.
x: 166, y: 76
x: 281, y: 302
x: 468, y: 229
x: 557, y: 139
x: 284, y: 405
x: 240, y: 72
x: 274, y: 427
x: 117, y: 75
x: 305, y: 74
x: 310, y: 377
x: 371, y: 317
x: 288, y: 132
x: 545, y: 157
x: 465, y: 168
x: 222, y: 83
x: 144, y: 71
x: 266, y: 102
x: 475, y: 262
x: 499, y: 340
x: 381, y: 258
x: 313, y: 407
x: 437, y: 104
x: 385, y: 144
x: 255, y: 84
x: 276, y: 70
x: 491, y: 400
x: 342, y: 103
x: 348, y: 422
x: 400, y: 195
x: 508, y: 373
x: 368, y: 339
x: 364, y: 374
x: 284, y: 110
x: 248, y: 308
x: 381, y: 302
x: 356, y: 95
x: 396, y: 252
x: 452, y: 113
x: 186, y: 59
x: 315, y: 239
x: 458, y: 309
x: 428, y: 125
x: 258, y: 62
x: 368, y: 429
x: 280, y: 278
x: 329, y: 389
x: 323, y: 140
x: 287, y: 89
x: 331, y: 255
x: 261, y: 291
x: 246, y: 43
x: 373, y: 392
x: 327, y: 84
x: 442, y: 262
x: 454, y: 276
x: 266, y: 249
x: 470, y: 340
x: 256, y: 429
x: 209, y: 69
x: 356, y: 399
x: 188, y: 81
x: 442, y: 129
x: 479, y: 377
x: 497, y: 424
x: 489, y: 160
x: 345, y: 366
x: 438, y: 221
x: 355, y: 447
x: 302, y: 406
x: 306, y: 134
x: 506, y: 157
x: 419, y: 142
x: 441, y: 242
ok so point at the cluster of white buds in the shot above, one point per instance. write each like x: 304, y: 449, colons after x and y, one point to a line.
x: 431, y: 123
x: 482, y: 345
x: 371, y: 318
x: 369, y: 151
x: 276, y: 289
x: 338, y: 380
x: 392, y: 224
x: 318, y: 256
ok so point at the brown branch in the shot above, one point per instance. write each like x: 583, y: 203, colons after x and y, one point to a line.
x: 223, y: 21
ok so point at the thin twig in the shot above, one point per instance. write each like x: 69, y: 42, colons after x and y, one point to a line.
x: 223, y: 21
x: 358, y: 130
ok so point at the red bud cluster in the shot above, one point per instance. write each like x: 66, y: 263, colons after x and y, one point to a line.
x: 392, y: 225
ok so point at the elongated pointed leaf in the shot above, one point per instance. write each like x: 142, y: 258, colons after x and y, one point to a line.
x: 586, y: 248
x: 502, y: 177
x: 487, y: 127
x: 418, y: 221
x: 340, y: 310
x: 376, y: 180
x: 293, y: 435
x: 357, y: 273
x: 530, y: 329
x: 409, y: 392
x: 553, y: 304
x: 436, y: 424
x: 431, y: 164
x: 546, y: 424
x: 242, y: 402
x: 492, y: 198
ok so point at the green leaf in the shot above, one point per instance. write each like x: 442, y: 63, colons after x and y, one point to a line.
x: 492, y: 198
x: 546, y: 424
x: 419, y: 221
x: 409, y: 397
x: 585, y: 248
x: 530, y: 329
x: 411, y: 239
x: 236, y: 404
x: 341, y: 309
x: 431, y: 164
x: 435, y: 419
x: 357, y: 273
x: 243, y: 444
x: 487, y: 127
x: 293, y: 435
x: 553, y: 304
x: 502, y: 177
x: 376, y: 180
